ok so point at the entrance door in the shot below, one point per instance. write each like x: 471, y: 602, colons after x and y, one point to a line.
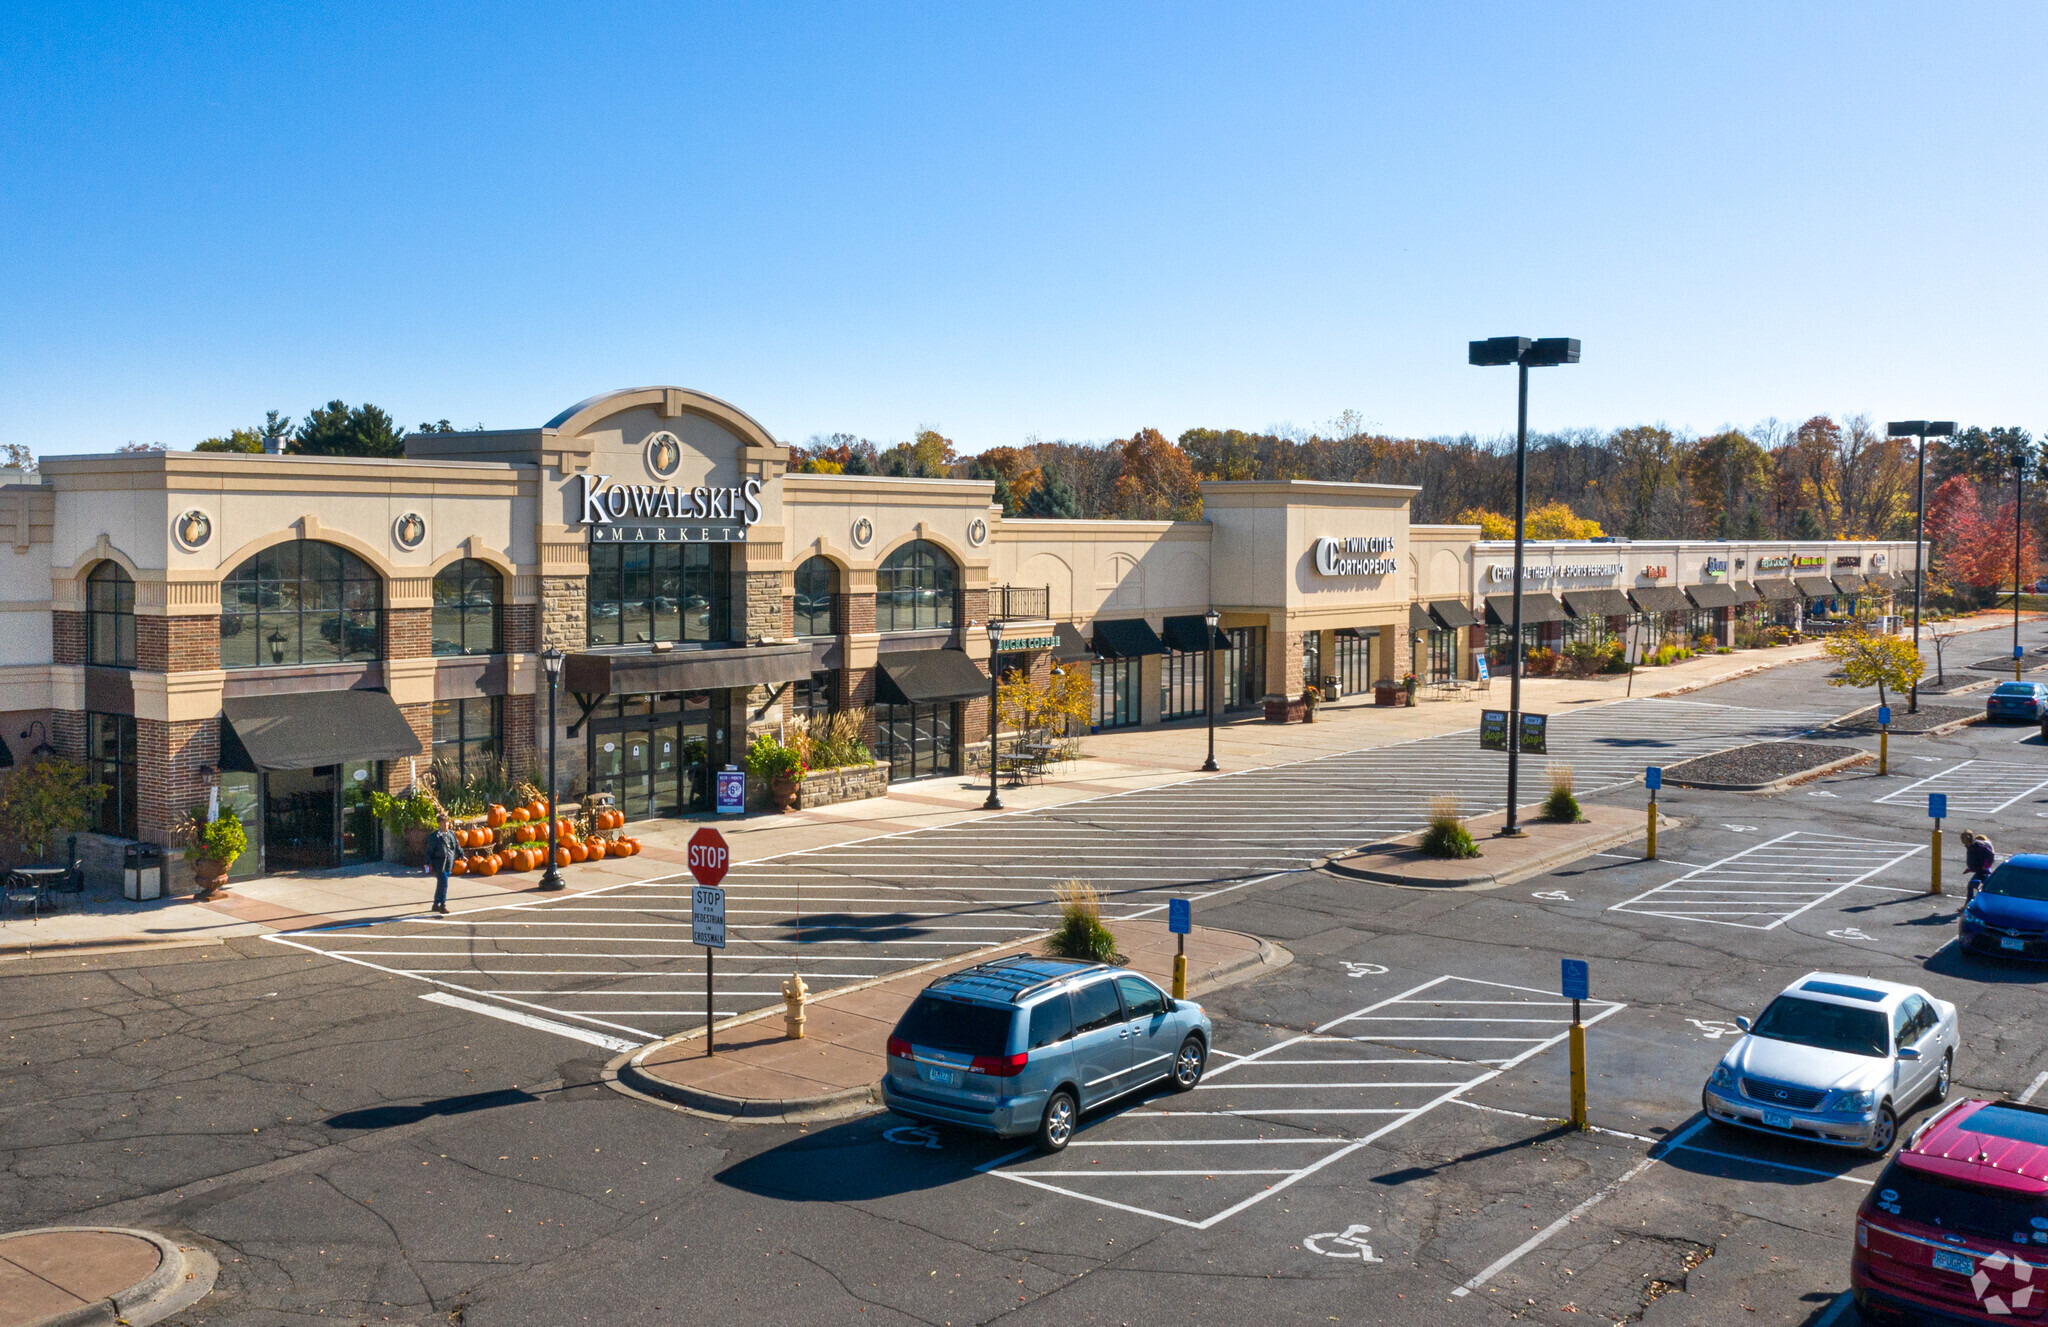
x: 298, y: 818
x: 359, y: 831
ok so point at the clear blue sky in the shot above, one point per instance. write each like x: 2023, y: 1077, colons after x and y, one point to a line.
x: 1023, y: 219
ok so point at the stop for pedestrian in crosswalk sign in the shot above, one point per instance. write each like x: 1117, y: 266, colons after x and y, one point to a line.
x: 708, y: 856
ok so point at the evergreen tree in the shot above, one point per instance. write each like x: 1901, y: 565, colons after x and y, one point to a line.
x: 336, y: 430
x: 1054, y: 498
x: 1805, y: 525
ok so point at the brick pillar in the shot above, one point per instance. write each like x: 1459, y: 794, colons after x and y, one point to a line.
x: 67, y: 636
x: 182, y: 644
x: 1724, y: 627
x: 408, y: 633
x: 67, y: 735
x: 168, y: 758
x: 974, y: 606
x: 420, y: 718
x: 973, y: 734
x: 858, y: 689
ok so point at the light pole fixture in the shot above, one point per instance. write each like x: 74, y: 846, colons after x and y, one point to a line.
x: 1211, y: 619
x: 1920, y: 430
x: 1524, y: 354
x: 2022, y: 445
x: 995, y: 648
x: 551, y: 663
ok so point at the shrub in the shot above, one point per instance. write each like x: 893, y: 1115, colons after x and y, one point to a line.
x: 1080, y: 933
x: 1561, y: 806
x: 419, y: 811
x: 832, y: 740
x: 221, y: 839
x: 1540, y: 662
x: 47, y: 797
x: 471, y: 791
x: 768, y: 760
x: 1447, y: 835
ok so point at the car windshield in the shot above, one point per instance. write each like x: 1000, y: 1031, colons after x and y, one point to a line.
x: 2015, y: 688
x: 940, y: 1024
x: 2018, y: 882
x: 1828, y: 1027
x: 1953, y: 1205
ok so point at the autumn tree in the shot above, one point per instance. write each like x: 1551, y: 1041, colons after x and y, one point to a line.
x: 1552, y: 520
x: 1889, y: 663
x: 1645, y: 472
x: 1727, y: 472
x: 1155, y: 481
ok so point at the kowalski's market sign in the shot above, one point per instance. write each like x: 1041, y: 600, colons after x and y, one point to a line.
x: 1009, y: 643
x: 674, y: 515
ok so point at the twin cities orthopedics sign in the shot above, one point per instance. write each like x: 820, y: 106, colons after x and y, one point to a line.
x: 665, y: 513
x: 1366, y: 556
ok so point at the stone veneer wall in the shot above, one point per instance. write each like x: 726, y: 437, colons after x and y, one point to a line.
x: 564, y: 613
x: 847, y: 783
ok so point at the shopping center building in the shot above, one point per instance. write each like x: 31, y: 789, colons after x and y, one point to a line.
x: 295, y: 631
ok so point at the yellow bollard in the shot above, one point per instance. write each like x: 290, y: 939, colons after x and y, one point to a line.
x: 1578, y: 1044
x: 1651, y: 855
x: 1934, y: 880
x: 1884, y: 752
x: 1180, y: 976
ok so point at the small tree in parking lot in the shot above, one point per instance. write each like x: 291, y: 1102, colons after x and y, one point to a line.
x: 1868, y: 659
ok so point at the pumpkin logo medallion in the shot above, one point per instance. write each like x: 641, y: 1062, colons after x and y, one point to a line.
x: 977, y: 532
x: 863, y: 532
x: 409, y: 531
x: 192, y: 529
x: 664, y: 454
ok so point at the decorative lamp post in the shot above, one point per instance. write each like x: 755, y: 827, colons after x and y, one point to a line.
x: 551, y: 663
x: 1920, y: 430
x: 1525, y: 354
x: 1211, y: 618
x: 995, y: 647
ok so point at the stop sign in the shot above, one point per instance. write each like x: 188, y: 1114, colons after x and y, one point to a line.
x: 708, y: 856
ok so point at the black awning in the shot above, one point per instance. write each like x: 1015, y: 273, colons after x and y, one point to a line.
x: 1127, y: 638
x: 307, y: 729
x: 1660, y: 599
x: 641, y: 671
x: 928, y: 677
x: 1777, y: 589
x: 1072, y: 647
x: 1419, y: 619
x: 1714, y: 594
x: 1189, y: 633
x: 1815, y: 587
x: 1453, y: 613
x: 1537, y: 607
x: 1745, y: 593
x: 1849, y: 582
x: 1598, y: 603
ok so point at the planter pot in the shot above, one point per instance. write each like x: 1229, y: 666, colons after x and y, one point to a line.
x: 1385, y: 693
x: 782, y: 791
x: 210, y: 875
x: 413, y: 845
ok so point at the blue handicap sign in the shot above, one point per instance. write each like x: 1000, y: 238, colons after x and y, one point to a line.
x: 1884, y: 714
x: 2017, y: 651
x: 1576, y: 981
x: 1937, y: 805
x: 1653, y: 778
x: 1179, y: 917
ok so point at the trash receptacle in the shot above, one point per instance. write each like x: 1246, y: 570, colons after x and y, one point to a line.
x: 142, y: 872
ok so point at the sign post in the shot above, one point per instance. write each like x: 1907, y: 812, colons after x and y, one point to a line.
x: 1653, y: 779
x: 1884, y: 739
x: 709, y: 858
x: 1937, y: 811
x: 1576, y: 987
x: 1180, y: 920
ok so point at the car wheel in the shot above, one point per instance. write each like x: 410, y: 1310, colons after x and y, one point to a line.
x: 1187, y: 1065
x: 1057, y: 1124
x: 1941, y: 1080
x: 1884, y: 1132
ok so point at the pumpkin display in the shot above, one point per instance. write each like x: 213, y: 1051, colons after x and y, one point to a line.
x: 562, y: 857
x: 485, y: 865
x: 460, y: 866
x: 564, y: 830
x: 522, y: 860
x: 577, y: 852
x: 495, y: 816
x: 537, y: 810
x: 596, y: 849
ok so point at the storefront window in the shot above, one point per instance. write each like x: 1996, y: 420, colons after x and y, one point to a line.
x: 917, y: 740
x: 1116, y: 693
x: 241, y: 795
x: 914, y: 589
x: 1354, y: 662
x: 656, y: 754
x: 816, y: 696
x: 468, y: 737
x: 1499, y: 654
x: 110, y: 617
x: 1181, y: 684
x: 110, y: 762
x: 1443, y: 656
x: 817, y: 589
x: 302, y: 602
x: 467, y: 598
x: 642, y: 593
x: 1244, y: 668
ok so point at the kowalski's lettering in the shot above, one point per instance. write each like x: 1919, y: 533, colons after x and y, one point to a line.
x: 604, y: 502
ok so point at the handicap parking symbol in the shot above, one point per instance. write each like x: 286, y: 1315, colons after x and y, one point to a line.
x: 1713, y: 1029
x: 1554, y: 895
x: 1849, y: 933
x: 913, y: 1135
x: 1365, y: 969
x: 1349, y: 1244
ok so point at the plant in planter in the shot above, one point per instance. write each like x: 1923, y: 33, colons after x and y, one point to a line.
x: 1561, y: 805
x: 1081, y: 933
x: 47, y: 797
x: 1447, y: 835
x: 1410, y: 684
x: 1309, y: 697
x: 409, y: 819
x: 212, y: 847
x: 778, y: 766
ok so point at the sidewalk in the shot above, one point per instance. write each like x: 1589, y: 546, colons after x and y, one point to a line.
x: 760, y: 1076
x: 75, y: 1275
x: 1112, y: 762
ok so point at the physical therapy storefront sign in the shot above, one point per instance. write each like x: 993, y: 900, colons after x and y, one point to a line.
x: 1570, y: 571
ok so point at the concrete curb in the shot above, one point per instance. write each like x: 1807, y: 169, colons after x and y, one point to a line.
x: 184, y: 1275
x: 1482, y: 879
x: 1936, y: 731
x: 1777, y: 785
x: 624, y: 1074
x: 108, y: 945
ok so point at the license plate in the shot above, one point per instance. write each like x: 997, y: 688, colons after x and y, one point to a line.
x: 1775, y: 1121
x: 1954, y: 1262
x: 942, y: 1076
x: 2011, y: 942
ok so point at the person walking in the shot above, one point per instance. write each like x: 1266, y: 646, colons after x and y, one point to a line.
x: 441, y: 850
x: 1978, y: 859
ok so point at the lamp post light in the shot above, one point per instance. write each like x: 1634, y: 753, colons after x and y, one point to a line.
x: 551, y: 663
x: 1524, y: 354
x: 2020, y: 448
x: 1211, y: 618
x: 1920, y: 430
x: 995, y: 647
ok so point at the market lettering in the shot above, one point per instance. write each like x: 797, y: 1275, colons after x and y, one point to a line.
x: 605, y: 502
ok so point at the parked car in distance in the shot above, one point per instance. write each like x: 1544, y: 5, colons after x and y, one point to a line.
x: 1956, y: 1227
x: 1024, y: 1045
x: 1836, y: 1059
x: 2024, y: 701
x: 2008, y: 916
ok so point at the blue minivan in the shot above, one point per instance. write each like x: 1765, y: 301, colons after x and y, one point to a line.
x: 1024, y: 1045
x: 2008, y: 916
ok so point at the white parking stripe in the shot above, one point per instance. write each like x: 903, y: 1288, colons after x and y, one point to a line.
x: 1717, y: 895
x: 1973, y: 787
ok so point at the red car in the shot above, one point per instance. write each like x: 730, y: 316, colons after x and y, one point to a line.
x: 1956, y: 1228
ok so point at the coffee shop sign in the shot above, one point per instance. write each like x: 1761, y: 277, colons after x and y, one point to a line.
x: 1570, y: 571
x: 1363, y: 556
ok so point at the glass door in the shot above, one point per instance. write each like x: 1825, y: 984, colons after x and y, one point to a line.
x: 359, y: 829
x: 1244, y: 674
x: 298, y: 818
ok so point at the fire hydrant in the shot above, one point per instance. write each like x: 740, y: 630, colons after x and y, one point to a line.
x: 794, y: 996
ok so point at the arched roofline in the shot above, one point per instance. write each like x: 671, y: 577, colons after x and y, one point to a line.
x: 670, y: 402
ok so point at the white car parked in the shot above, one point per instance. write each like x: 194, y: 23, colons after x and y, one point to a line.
x: 1836, y: 1060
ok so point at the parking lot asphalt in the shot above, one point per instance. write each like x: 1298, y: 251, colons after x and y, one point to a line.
x: 1377, y: 1140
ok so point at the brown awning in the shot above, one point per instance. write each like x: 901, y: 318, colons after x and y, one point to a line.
x: 714, y: 668
x: 1849, y: 582
x: 928, y: 677
x: 1778, y: 589
x: 312, y: 728
x: 1745, y: 593
x: 1419, y: 618
x: 1715, y: 594
x: 1815, y: 587
x: 1598, y: 603
x: 1536, y: 607
x: 1660, y: 599
x: 1453, y: 613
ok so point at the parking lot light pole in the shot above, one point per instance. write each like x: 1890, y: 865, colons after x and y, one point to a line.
x: 551, y: 663
x: 995, y: 646
x: 1524, y: 354
x: 1211, y: 618
x: 1920, y: 430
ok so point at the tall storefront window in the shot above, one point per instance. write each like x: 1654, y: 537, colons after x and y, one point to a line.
x: 816, y: 696
x: 914, y: 589
x: 110, y: 617
x: 468, y: 738
x: 1499, y: 654
x: 1116, y: 693
x: 1182, y: 689
x: 467, y: 608
x: 817, y: 590
x: 642, y: 593
x: 302, y: 602
x: 1443, y: 656
x: 1244, y: 668
x: 110, y: 762
x: 1312, y: 659
x: 1354, y: 662
x: 917, y: 740
x: 656, y: 754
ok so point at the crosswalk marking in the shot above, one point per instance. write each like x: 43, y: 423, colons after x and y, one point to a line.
x: 1973, y: 787
x: 1725, y: 896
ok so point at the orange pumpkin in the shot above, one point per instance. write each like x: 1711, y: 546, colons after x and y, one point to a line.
x: 522, y: 860
x: 577, y: 852
x: 615, y: 820
x: 562, y: 857
x: 486, y: 865
x: 460, y: 867
x: 496, y: 815
x: 636, y: 846
x: 564, y: 830
x: 597, y: 850
x: 482, y: 838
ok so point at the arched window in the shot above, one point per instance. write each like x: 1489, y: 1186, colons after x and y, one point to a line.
x: 914, y: 589
x: 817, y: 582
x: 467, y: 595
x: 302, y: 602
x: 110, y: 616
